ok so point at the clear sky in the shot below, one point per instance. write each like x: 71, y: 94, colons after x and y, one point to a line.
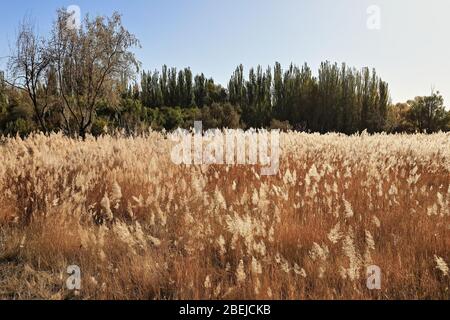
x: 411, y: 51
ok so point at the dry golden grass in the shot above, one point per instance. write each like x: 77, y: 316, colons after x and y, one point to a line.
x: 141, y: 227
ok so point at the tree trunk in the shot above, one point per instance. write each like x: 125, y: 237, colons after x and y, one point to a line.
x: 82, y: 133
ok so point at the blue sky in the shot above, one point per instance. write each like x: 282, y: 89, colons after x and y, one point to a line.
x: 411, y: 50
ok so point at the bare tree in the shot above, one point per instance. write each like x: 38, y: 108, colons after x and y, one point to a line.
x: 27, y: 67
x: 89, y: 62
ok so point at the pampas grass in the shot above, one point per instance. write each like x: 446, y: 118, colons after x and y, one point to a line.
x: 142, y: 227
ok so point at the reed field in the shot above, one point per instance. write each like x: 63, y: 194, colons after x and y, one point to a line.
x: 141, y: 227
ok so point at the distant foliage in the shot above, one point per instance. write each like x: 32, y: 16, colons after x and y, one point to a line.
x: 63, y: 82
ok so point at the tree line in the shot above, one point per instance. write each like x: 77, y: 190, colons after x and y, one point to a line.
x: 87, y: 80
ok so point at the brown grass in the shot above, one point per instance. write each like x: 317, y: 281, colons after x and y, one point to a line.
x: 141, y: 227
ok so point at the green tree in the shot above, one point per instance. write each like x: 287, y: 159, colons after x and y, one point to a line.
x: 428, y: 113
x: 221, y: 116
x: 200, y: 92
x: 188, y: 99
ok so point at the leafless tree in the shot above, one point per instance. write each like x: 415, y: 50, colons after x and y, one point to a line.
x: 27, y: 67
